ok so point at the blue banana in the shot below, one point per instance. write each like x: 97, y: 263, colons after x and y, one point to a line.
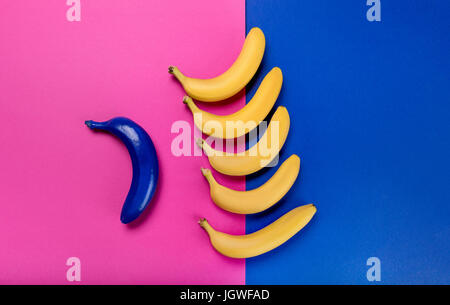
x: 144, y: 161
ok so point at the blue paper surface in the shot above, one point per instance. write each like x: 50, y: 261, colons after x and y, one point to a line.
x: 370, y: 119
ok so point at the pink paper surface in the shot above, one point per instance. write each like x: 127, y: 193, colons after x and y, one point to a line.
x: 62, y: 185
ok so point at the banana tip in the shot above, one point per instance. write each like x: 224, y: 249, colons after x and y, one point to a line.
x: 88, y: 123
x: 205, y: 171
x: 199, y: 142
x: 171, y: 69
x: 186, y: 99
x: 202, y: 222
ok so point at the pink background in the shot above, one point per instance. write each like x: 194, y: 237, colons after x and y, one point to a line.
x: 63, y: 186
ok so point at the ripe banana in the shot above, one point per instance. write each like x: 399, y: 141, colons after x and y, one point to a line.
x: 259, y: 199
x: 258, y: 156
x: 264, y: 240
x: 245, y: 120
x: 234, y: 79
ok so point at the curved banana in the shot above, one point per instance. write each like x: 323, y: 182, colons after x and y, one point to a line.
x: 264, y: 240
x: 143, y: 159
x: 259, y: 199
x: 234, y: 79
x: 258, y: 156
x: 245, y: 120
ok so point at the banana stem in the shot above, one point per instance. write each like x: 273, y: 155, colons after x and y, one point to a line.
x: 205, y: 225
x: 175, y: 72
x: 205, y: 171
x: 95, y: 125
x: 209, y: 151
x: 199, y: 142
x: 187, y: 100
x: 208, y: 175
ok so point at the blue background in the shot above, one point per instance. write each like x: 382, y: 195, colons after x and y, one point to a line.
x: 370, y: 109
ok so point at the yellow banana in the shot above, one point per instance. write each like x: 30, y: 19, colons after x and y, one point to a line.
x: 234, y: 79
x: 264, y: 240
x: 245, y: 120
x: 258, y: 156
x: 259, y: 199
